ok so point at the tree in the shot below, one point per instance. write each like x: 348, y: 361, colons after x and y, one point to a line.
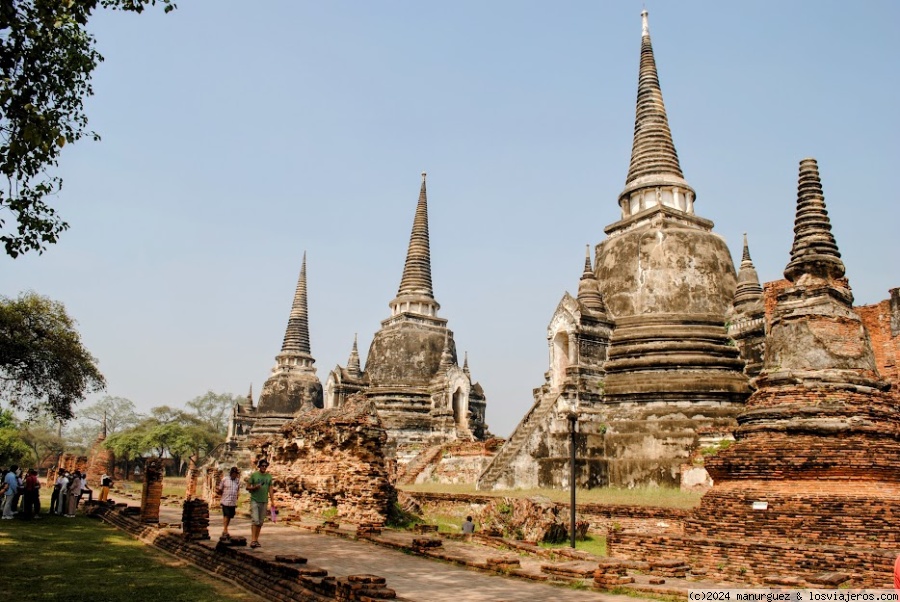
x: 214, y: 409
x: 117, y: 413
x: 43, y: 364
x: 13, y: 450
x: 46, y: 61
x: 43, y: 435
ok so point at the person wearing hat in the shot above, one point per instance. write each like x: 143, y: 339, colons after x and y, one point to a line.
x: 229, y: 488
x: 261, y: 494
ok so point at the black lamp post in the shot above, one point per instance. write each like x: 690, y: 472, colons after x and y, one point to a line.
x: 573, y: 421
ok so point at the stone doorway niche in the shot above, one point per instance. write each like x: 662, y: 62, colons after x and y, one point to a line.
x: 559, y: 358
x: 459, y: 407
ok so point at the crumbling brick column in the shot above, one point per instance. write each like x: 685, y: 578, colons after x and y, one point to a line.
x: 190, y: 489
x: 151, y: 496
x: 195, y: 519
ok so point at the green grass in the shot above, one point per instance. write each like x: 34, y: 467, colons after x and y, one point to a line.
x: 591, y: 545
x: 75, y: 559
x: 663, y: 497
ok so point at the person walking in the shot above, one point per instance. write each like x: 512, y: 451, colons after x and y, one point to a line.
x: 261, y: 493
x: 229, y: 488
x: 12, y: 485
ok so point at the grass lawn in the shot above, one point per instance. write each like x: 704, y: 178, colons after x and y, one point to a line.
x: 663, y: 497
x: 78, y: 559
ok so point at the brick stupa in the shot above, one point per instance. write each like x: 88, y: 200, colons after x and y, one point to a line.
x: 816, y: 462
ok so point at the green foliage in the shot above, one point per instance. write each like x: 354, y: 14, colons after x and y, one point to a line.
x: 169, y: 432
x: 13, y: 450
x: 117, y: 413
x: 214, y: 409
x: 47, y: 57
x: 43, y: 364
x: 398, y: 518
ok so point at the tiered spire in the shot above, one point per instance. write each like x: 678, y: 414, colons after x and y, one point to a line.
x: 466, y: 364
x: 353, y: 362
x: 588, y: 287
x: 296, y: 337
x: 654, y: 160
x: 815, y: 252
x: 417, y: 271
x: 748, y: 288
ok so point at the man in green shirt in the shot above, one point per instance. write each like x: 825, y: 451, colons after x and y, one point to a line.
x: 261, y: 493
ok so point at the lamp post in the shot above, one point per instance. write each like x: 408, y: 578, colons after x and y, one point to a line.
x: 572, y: 416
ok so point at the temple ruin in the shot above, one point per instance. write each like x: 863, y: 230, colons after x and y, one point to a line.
x: 292, y: 385
x: 813, y: 474
x: 412, y: 374
x: 642, y: 354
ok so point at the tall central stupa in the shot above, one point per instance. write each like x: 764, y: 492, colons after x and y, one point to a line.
x: 649, y: 366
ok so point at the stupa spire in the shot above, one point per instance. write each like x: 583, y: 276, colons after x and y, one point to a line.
x: 353, y: 362
x: 296, y: 336
x: 417, y: 270
x: 748, y: 288
x: 415, y: 295
x: 815, y: 252
x: 588, y: 288
x: 466, y: 364
x: 654, y: 160
x: 446, y: 356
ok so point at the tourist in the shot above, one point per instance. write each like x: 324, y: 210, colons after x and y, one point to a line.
x: 73, y: 494
x: 63, y: 482
x: 20, y: 488
x: 229, y: 488
x: 85, y: 489
x: 105, y: 484
x: 32, y: 495
x: 12, y: 485
x: 261, y: 492
x: 468, y: 527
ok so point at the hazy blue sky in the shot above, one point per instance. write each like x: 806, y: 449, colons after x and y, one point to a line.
x: 236, y: 135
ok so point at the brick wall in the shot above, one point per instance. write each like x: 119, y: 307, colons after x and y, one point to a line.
x: 333, y: 461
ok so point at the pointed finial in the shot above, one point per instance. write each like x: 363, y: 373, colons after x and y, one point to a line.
x: 466, y: 364
x: 654, y: 160
x: 353, y: 363
x: 416, y: 278
x: 446, y: 355
x: 645, y: 23
x: 296, y: 336
x: 250, y: 394
x: 423, y: 176
x: 814, y: 252
x: 748, y: 290
x: 588, y: 287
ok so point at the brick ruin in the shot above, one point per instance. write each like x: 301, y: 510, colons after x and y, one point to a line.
x: 812, y: 482
x: 332, y: 463
x: 151, y: 492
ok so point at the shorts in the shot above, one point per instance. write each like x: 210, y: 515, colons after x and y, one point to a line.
x: 228, y: 511
x: 257, y: 512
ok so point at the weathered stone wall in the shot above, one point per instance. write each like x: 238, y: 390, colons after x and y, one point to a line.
x: 459, y: 462
x: 333, y: 461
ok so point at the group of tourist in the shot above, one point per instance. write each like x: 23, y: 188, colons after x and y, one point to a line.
x: 262, y: 498
x: 23, y: 486
x: 17, y: 485
x: 68, y: 491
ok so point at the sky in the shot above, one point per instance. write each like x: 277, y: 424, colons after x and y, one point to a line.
x: 236, y: 136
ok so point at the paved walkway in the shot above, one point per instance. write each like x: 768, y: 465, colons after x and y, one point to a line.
x: 414, y: 578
